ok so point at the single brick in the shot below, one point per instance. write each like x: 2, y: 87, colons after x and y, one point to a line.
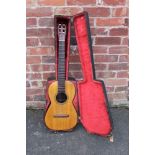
x: 117, y: 96
x: 123, y: 74
x: 119, y: 31
x: 81, y: 2
x: 108, y: 41
x: 32, y: 41
x: 115, y: 2
x: 45, y: 32
x: 68, y: 10
x: 48, y: 59
x: 39, y: 12
x: 116, y: 82
x: 119, y: 66
x: 29, y: 98
x: 46, y: 22
x: 109, y: 21
x: 105, y: 74
x: 46, y: 41
x: 39, y: 32
x: 99, y: 31
x: 33, y: 59
x: 122, y: 88
x: 32, y: 91
x: 118, y: 50
x: 51, y: 2
x: 40, y: 51
x: 31, y: 22
x: 98, y: 12
x: 48, y: 67
x: 100, y: 67
x: 36, y: 68
x: 124, y: 58
x: 106, y: 58
x: 120, y: 12
x: 32, y: 32
x: 33, y: 76
x: 99, y: 49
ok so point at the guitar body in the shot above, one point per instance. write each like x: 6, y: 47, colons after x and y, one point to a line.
x: 61, y: 116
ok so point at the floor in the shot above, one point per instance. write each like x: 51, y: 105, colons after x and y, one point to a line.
x: 40, y: 141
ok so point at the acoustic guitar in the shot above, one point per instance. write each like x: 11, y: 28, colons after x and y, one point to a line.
x: 61, y: 114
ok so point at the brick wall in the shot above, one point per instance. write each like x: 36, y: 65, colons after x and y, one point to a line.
x: 109, y: 28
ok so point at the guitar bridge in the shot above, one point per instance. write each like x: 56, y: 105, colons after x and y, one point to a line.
x: 61, y: 115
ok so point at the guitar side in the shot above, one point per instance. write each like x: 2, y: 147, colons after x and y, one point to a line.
x: 61, y: 116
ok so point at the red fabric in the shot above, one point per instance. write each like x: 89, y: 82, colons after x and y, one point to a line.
x: 92, y: 102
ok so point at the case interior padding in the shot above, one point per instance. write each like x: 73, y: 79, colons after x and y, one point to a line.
x: 93, y: 107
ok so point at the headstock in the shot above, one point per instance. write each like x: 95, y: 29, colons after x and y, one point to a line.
x: 61, y: 32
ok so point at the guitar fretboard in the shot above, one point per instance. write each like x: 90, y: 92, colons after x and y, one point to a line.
x: 61, y: 67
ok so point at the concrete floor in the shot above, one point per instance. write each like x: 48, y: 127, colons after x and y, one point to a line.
x: 40, y: 141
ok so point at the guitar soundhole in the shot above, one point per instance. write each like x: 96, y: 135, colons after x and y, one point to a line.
x: 61, y: 97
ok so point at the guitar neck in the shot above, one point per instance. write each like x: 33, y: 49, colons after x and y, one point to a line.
x: 61, y: 66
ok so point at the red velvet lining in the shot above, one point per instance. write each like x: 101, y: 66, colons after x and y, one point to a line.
x: 92, y: 102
